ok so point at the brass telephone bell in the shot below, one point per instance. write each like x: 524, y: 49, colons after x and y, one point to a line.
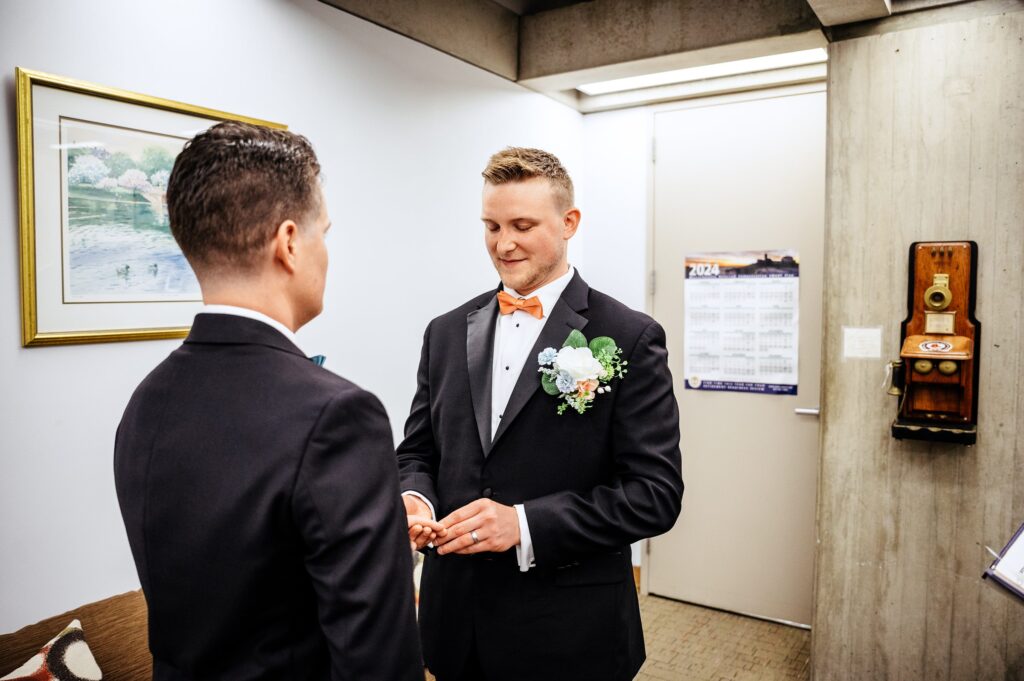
x: 938, y: 296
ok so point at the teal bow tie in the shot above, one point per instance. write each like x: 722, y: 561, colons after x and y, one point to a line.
x: 318, y: 360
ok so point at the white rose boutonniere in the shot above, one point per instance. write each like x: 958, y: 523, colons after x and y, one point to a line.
x: 580, y: 370
x: 579, y: 363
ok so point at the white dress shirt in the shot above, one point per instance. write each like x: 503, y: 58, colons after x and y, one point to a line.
x: 514, y: 336
x: 252, y: 314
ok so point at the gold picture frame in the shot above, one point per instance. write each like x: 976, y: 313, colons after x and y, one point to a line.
x: 89, y: 308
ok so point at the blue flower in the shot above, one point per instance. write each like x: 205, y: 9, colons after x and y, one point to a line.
x: 565, y: 383
x: 547, y: 356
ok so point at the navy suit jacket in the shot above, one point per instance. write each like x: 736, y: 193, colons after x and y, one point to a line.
x: 260, y: 496
x: 591, y: 484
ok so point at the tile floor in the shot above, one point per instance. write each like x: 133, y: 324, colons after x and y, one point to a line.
x: 689, y: 643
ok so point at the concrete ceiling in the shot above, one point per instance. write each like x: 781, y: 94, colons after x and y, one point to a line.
x: 553, y: 46
x: 527, y: 7
x: 555, y: 37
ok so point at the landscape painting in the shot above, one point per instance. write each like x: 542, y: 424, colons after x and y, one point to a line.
x: 116, y: 238
x: 98, y: 263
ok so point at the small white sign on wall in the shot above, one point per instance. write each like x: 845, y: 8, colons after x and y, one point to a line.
x: 860, y: 342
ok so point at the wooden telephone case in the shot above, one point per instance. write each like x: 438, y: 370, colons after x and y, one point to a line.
x: 936, y: 377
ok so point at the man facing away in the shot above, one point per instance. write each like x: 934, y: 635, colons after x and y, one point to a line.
x: 541, y: 486
x: 259, y: 491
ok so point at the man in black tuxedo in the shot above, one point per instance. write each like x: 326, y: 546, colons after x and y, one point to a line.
x: 259, y: 490
x: 533, y: 577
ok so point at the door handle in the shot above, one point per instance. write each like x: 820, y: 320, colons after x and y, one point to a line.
x: 807, y: 411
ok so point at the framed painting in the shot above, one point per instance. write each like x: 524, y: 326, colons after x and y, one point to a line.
x: 98, y: 262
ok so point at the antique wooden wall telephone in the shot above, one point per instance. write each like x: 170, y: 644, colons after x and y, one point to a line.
x: 936, y: 376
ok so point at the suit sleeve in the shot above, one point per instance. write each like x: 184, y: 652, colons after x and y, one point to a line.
x: 349, y: 513
x: 644, y: 496
x: 417, y: 455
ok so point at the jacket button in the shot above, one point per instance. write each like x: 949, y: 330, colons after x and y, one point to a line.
x: 488, y: 492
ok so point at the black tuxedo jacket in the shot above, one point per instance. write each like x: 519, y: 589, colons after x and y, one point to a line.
x: 591, y: 483
x: 260, y: 495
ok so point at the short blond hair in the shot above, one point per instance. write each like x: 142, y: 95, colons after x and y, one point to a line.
x: 515, y: 164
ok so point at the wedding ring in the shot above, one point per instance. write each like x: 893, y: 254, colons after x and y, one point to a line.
x: 475, y: 536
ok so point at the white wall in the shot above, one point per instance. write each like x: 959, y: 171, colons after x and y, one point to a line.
x: 616, y: 179
x: 402, y: 132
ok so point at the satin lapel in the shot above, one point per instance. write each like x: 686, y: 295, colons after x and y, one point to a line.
x: 479, y: 350
x: 561, y: 322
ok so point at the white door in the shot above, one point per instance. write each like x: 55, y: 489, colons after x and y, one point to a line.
x: 744, y: 174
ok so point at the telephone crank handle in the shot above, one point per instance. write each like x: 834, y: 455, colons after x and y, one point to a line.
x: 807, y: 411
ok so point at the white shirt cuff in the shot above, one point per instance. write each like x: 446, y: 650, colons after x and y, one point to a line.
x: 524, y: 552
x: 414, y: 493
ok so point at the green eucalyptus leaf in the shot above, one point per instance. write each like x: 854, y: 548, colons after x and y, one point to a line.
x: 575, y: 340
x: 602, y: 344
x: 547, y: 382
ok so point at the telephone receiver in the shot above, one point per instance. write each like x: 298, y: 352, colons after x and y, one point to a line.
x: 936, y: 376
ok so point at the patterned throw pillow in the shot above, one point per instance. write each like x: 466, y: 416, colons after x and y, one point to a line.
x: 65, y: 658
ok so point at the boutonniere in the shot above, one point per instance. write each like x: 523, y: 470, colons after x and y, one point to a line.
x: 580, y: 371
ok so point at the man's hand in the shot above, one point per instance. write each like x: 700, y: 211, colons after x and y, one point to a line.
x: 496, y: 526
x: 422, y: 528
x: 422, y: 531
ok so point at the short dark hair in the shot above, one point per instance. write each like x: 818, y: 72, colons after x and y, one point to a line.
x: 515, y: 164
x: 233, y: 185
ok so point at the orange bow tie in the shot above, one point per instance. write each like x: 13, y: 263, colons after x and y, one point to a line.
x: 507, y: 304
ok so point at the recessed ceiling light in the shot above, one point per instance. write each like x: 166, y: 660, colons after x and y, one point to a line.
x: 728, y: 68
